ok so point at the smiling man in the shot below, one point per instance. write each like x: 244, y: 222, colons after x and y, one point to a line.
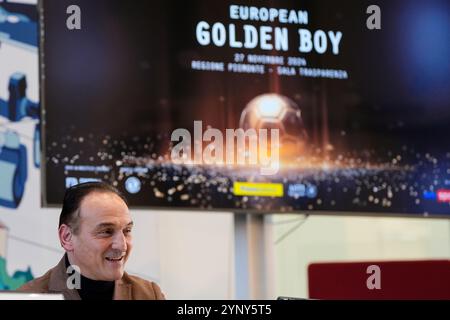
x: 95, y: 230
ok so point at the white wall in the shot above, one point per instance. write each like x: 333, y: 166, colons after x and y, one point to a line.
x: 196, y: 252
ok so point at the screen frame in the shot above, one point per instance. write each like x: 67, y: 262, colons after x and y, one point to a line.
x: 45, y: 204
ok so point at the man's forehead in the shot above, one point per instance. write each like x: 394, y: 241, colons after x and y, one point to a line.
x: 107, y: 207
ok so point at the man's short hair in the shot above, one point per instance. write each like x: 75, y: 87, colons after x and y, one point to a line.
x: 70, y: 213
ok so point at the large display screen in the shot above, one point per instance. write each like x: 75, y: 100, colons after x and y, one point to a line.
x: 250, y: 106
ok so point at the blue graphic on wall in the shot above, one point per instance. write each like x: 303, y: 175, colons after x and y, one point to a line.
x: 16, y: 280
x: 19, y: 278
x: 13, y: 154
x: 19, y: 31
x: 18, y: 106
x: 13, y: 169
x: 17, y: 27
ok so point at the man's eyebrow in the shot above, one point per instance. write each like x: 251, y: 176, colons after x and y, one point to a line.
x: 108, y: 225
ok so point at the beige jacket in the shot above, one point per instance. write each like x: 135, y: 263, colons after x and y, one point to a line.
x: 127, y: 288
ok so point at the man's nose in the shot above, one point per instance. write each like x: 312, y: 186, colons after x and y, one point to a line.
x: 119, y: 242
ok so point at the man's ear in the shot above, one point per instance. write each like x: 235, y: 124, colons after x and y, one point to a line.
x: 65, y: 237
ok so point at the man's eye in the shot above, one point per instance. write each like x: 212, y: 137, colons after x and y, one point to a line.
x: 106, y: 232
x: 127, y: 231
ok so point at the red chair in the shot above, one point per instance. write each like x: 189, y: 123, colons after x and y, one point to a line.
x: 427, y: 279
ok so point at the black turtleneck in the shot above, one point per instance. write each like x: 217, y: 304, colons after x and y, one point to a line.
x: 94, y: 289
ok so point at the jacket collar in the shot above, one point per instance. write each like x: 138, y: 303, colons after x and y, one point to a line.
x: 58, y: 284
x: 122, y: 288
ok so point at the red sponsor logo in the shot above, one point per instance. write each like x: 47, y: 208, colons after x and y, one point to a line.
x: 443, y: 195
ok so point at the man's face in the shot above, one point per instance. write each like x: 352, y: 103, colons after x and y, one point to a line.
x: 103, y: 242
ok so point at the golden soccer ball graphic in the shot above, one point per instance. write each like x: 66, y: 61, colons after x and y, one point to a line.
x: 274, y: 111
